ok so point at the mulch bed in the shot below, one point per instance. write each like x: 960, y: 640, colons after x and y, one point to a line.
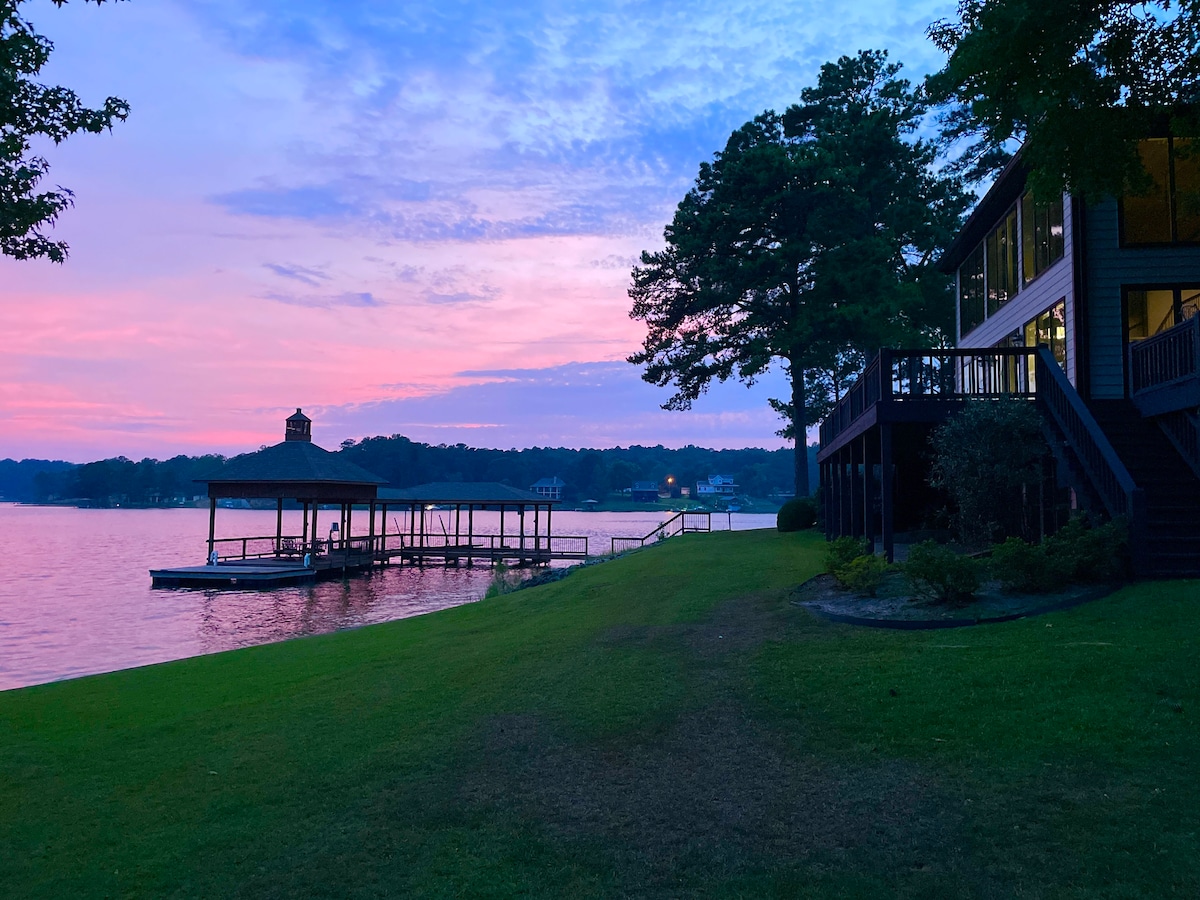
x: 896, y: 607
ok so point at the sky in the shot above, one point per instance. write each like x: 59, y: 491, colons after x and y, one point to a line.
x: 407, y: 218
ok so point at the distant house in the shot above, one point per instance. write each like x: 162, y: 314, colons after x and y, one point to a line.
x: 550, y: 488
x: 716, y: 486
x: 644, y: 492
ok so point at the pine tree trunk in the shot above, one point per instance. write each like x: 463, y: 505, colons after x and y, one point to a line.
x: 802, y: 486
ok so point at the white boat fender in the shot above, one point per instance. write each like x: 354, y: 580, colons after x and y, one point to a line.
x: 213, y: 558
x: 308, y: 560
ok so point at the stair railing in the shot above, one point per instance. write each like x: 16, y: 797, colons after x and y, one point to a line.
x: 1098, y: 461
x: 1167, y: 357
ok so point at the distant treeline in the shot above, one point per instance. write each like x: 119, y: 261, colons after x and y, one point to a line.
x: 589, y: 474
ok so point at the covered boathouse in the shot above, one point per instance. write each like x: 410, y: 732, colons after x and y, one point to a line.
x: 295, y: 470
x: 300, y: 472
x: 1088, y: 309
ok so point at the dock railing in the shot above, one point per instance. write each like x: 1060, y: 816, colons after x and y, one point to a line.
x: 532, y: 547
x: 680, y: 523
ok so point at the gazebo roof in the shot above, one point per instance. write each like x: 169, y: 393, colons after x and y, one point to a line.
x: 295, y: 468
x: 293, y: 461
x: 478, y: 492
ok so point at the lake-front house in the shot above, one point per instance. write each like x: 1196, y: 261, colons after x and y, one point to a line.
x: 1087, y: 309
x: 716, y: 486
x: 644, y: 492
x: 549, y: 488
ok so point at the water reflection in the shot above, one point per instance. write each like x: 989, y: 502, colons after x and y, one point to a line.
x: 76, y: 597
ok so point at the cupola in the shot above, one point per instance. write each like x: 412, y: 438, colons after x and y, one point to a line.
x: 298, y: 427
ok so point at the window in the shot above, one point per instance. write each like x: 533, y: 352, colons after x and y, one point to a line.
x: 970, y: 286
x: 1001, y: 249
x: 1050, y: 328
x: 1169, y: 210
x: 1149, y: 311
x: 1042, y: 240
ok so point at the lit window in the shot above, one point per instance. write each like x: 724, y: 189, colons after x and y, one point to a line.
x: 1001, y: 249
x: 970, y: 285
x: 1050, y: 328
x: 1168, y: 211
x: 1042, y: 239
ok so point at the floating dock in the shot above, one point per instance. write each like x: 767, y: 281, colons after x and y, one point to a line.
x: 256, y: 573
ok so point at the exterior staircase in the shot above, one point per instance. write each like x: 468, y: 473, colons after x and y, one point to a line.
x: 1171, y: 488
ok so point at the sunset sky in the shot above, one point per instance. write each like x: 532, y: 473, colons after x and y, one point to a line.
x: 407, y: 218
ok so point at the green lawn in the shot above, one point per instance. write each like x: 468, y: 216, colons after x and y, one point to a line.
x: 663, y: 724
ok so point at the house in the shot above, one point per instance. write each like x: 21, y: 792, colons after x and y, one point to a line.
x: 1087, y: 309
x: 548, y: 488
x: 644, y: 492
x: 716, y: 486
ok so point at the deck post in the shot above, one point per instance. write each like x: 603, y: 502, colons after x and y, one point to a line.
x: 349, y: 523
x: 868, y: 507
x: 886, y: 492
x: 549, y: 534
x: 470, y: 535
x: 371, y: 531
x: 212, y: 524
x: 501, y: 534
x: 383, y: 534
x: 857, y: 526
x: 316, y: 506
x: 521, y: 517
x: 457, y: 526
x: 278, y: 525
x: 537, y: 533
x: 304, y: 530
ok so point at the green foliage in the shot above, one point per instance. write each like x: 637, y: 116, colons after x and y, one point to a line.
x: 1090, y: 554
x: 863, y: 574
x: 796, y: 514
x: 504, y: 581
x: 938, y: 573
x: 1025, y: 568
x: 988, y: 460
x: 31, y: 111
x: 808, y: 241
x: 1076, y: 85
x: 841, y: 551
x: 1078, y: 553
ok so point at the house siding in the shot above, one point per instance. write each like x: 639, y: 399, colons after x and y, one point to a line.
x: 1110, y: 268
x: 1054, y: 284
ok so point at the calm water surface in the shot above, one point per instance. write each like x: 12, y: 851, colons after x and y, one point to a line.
x: 75, y: 596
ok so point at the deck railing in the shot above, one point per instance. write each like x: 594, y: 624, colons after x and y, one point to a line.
x: 907, y: 375
x: 1170, y: 356
x: 680, y: 523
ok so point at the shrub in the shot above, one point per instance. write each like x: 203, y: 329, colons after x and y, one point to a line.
x: 1027, y: 568
x: 504, y: 581
x: 987, y: 459
x: 1089, y: 553
x: 863, y: 574
x: 797, y: 514
x: 841, y: 552
x: 940, y: 574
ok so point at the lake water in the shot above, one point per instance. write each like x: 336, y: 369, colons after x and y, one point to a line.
x: 75, y: 596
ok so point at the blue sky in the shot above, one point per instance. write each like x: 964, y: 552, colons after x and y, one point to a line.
x: 409, y: 218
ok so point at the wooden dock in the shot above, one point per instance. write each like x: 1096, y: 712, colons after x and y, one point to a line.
x: 275, y: 560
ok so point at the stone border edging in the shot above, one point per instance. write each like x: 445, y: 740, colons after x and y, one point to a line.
x: 931, y: 624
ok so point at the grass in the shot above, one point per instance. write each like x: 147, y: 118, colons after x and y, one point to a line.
x: 663, y: 724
